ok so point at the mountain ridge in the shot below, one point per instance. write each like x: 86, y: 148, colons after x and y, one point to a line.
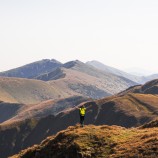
x: 21, y: 112
x: 142, y: 108
x: 115, y: 71
x: 78, y: 78
x: 44, y: 66
x: 33, y: 69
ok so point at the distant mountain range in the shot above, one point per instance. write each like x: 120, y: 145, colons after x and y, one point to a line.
x: 139, y: 79
x: 115, y: 71
x: 63, y: 80
x: 33, y: 69
x: 40, y: 69
x: 133, y: 107
x: 138, y: 71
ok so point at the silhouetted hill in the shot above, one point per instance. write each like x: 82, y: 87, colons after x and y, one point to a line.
x: 33, y: 69
x: 97, y: 141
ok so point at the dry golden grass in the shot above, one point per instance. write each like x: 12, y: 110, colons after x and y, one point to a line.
x: 26, y: 91
x: 97, y: 142
x: 134, y: 104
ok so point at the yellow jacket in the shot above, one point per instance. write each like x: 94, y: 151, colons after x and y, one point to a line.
x: 82, y: 111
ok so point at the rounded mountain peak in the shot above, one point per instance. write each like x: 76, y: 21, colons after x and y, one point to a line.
x: 73, y: 63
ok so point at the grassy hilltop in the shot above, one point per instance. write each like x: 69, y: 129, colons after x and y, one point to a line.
x: 98, y: 142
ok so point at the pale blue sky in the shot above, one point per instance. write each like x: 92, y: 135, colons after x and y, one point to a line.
x: 119, y: 33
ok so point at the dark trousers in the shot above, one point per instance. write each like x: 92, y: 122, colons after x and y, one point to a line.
x: 82, y: 120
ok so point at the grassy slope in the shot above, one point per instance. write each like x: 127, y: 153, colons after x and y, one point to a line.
x: 78, y: 78
x: 150, y: 87
x: 128, y: 111
x: 27, y: 91
x: 97, y: 142
x: 94, y: 85
x: 43, y: 109
x: 79, y: 83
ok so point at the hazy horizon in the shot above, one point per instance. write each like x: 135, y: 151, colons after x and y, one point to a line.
x: 121, y: 34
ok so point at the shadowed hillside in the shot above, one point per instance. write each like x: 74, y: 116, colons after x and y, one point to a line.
x: 33, y: 69
x: 151, y: 124
x: 54, y: 75
x: 151, y: 77
x: 150, y: 87
x: 11, y: 113
x: 97, y: 141
x: 8, y: 110
x: 128, y: 111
